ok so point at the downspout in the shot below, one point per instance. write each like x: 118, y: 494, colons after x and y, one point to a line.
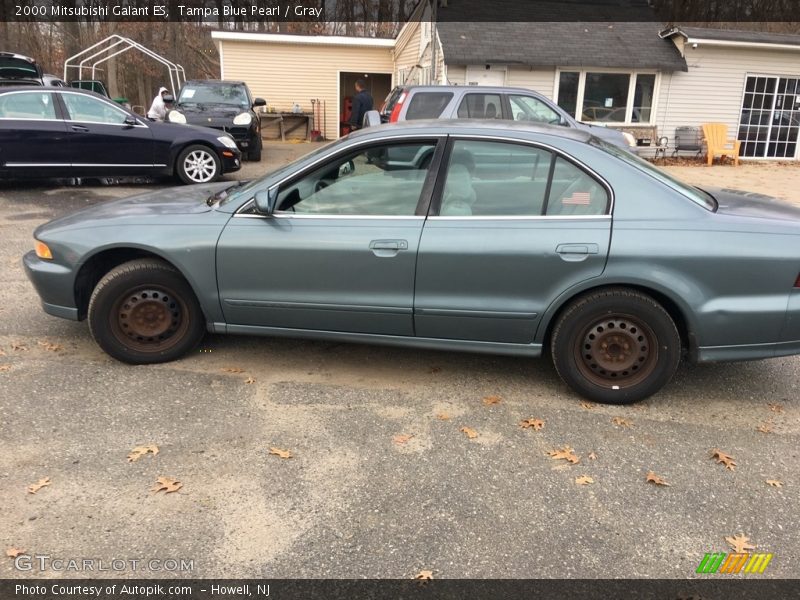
x: 434, y: 37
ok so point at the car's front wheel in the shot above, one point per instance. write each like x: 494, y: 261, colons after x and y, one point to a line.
x: 615, y: 346
x: 198, y: 164
x: 143, y: 311
x: 254, y: 154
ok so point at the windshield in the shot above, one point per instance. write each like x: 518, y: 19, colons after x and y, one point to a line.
x: 233, y: 94
x: 694, y: 194
x: 259, y: 184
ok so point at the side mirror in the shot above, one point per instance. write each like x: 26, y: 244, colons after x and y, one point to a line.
x: 372, y: 118
x: 130, y: 122
x: 259, y: 102
x: 347, y: 168
x: 265, y: 201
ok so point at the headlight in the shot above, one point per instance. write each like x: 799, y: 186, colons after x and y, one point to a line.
x: 43, y: 251
x: 242, y: 119
x: 227, y: 141
x: 631, y: 141
x: 176, y: 117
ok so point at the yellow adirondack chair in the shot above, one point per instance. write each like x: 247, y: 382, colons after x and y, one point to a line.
x: 716, y: 135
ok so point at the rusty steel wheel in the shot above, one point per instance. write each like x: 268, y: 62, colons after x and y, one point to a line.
x: 616, y: 346
x: 143, y: 311
x: 150, y: 319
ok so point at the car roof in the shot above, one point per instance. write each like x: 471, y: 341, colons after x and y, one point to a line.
x: 226, y: 81
x: 52, y: 89
x: 470, y: 88
x: 475, y: 126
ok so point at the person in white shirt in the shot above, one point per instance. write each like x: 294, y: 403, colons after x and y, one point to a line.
x: 158, y: 110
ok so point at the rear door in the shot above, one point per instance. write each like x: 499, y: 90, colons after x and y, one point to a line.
x: 512, y: 227
x: 33, y: 135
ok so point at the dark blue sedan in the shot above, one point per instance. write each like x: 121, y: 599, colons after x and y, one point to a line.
x: 61, y: 132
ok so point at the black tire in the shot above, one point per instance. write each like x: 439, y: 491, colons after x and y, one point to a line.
x: 198, y: 164
x: 254, y: 154
x: 144, y: 311
x: 615, y: 346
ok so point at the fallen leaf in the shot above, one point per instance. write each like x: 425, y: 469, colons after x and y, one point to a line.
x: 402, y: 438
x: 566, y: 454
x: 592, y: 456
x: 2, y: 352
x: 489, y: 400
x: 281, y: 453
x: 775, y: 482
x: 51, y: 346
x: 655, y: 479
x: 621, y: 422
x: 166, y: 485
x: 536, y: 424
x: 140, y: 451
x: 35, y: 487
x: 233, y: 370
x: 725, y: 459
x: 776, y: 408
x: 18, y: 346
x: 443, y: 417
x: 250, y: 380
x: 14, y: 552
x: 426, y: 575
x: 588, y: 405
x: 469, y: 432
x: 764, y: 428
x: 5, y: 368
x: 740, y: 543
x: 584, y: 480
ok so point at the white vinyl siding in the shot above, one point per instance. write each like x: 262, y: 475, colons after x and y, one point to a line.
x: 712, y: 90
x: 539, y: 80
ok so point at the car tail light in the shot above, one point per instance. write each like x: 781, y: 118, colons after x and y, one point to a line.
x: 397, y: 108
x: 797, y: 281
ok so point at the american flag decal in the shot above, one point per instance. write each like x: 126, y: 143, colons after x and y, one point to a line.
x: 577, y: 198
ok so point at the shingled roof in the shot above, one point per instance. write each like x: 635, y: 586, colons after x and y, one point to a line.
x: 561, y: 44
x: 733, y: 35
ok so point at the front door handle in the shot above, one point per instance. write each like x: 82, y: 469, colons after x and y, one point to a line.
x: 80, y: 128
x: 387, y: 248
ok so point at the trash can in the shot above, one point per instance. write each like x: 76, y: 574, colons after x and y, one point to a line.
x: 123, y: 102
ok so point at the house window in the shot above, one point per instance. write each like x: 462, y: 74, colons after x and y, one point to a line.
x: 568, y: 91
x: 607, y: 97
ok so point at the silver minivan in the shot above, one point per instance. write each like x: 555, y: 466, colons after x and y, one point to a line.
x: 409, y: 103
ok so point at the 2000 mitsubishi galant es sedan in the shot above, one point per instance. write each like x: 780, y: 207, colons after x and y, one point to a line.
x: 476, y: 236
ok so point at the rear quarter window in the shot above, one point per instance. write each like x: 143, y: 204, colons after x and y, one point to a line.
x: 427, y: 105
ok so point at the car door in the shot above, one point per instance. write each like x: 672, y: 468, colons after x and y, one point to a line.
x: 33, y: 135
x: 512, y: 227
x: 339, y: 252
x: 100, y: 140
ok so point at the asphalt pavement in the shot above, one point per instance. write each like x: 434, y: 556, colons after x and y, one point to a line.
x: 383, y: 479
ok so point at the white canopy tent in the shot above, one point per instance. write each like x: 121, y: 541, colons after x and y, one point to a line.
x: 115, y: 45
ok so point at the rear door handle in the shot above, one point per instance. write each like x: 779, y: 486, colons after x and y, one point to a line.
x: 576, y: 252
x: 80, y: 128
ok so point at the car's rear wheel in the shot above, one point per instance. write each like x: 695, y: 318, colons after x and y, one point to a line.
x: 615, y: 346
x: 143, y: 311
x: 198, y: 164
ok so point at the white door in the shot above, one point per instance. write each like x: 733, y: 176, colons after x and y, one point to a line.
x: 480, y: 75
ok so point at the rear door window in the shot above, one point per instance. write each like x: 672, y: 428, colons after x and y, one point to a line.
x: 481, y: 106
x: 27, y: 105
x: 427, y: 105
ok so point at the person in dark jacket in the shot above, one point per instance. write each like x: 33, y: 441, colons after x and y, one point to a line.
x: 362, y: 102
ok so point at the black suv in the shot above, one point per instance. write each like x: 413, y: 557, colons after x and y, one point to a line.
x: 225, y: 105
